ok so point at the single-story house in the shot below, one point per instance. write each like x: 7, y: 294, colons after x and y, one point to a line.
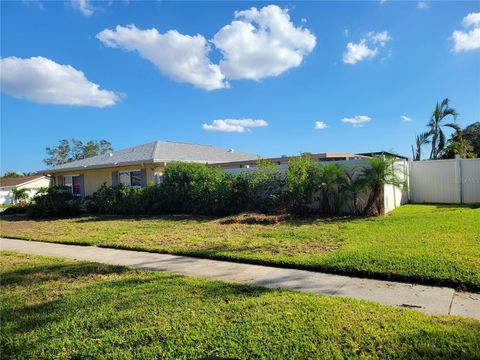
x: 137, y: 166
x: 33, y: 183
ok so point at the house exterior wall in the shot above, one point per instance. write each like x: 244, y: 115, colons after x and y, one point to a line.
x: 6, y: 196
x: 95, y: 178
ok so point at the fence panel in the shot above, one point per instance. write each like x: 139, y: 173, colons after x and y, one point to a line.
x: 455, y: 181
x: 470, y: 181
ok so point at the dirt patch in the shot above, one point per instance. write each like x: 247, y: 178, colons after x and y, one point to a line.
x: 254, y: 218
x: 16, y: 225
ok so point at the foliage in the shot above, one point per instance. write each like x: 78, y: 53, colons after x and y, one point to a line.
x: 10, y: 174
x: 57, y: 201
x: 420, y: 140
x: 353, y: 188
x: 300, y: 183
x: 20, y: 195
x: 266, y: 186
x: 120, y: 199
x: 458, y: 145
x: 195, y: 188
x: 381, y: 171
x: 436, y: 124
x: 330, y: 176
x: 68, y: 151
x: 472, y: 134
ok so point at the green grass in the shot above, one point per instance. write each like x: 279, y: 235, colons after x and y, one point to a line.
x: 421, y: 243
x: 58, y: 309
x: 4, y: 206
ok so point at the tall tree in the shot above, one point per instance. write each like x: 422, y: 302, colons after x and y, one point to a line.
x: 59, y: 154
x: 472, y: 134
x: 10, y: 174
x: 76, y: 150
x: 420, y: 140
x: 436, y: 124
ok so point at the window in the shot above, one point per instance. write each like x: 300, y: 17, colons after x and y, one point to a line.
x: 130, y: 178
x: 73, y: 182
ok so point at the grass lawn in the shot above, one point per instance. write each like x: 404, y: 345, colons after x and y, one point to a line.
x: 54, y: 308
x: 421, y: 243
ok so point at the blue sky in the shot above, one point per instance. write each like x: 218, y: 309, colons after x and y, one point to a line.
x: 284, y: 67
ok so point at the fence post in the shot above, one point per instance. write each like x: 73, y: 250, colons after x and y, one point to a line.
x: 458, y: 178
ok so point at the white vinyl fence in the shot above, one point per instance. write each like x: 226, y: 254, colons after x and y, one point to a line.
x: 455, y: 181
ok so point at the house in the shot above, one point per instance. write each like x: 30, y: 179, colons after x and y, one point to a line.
x: 32, y: 183
x: 137, y: 166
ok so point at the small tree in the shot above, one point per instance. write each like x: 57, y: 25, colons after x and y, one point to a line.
x: 300, y: 183
x: 420, y: 140
x: 380, y: 172
x: 352, y: 187
x: 436, y: 124
x: 20, y: 196
x: 328, y: 179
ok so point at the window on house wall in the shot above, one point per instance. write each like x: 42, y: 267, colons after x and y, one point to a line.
x: 130, y: 178
x: 73, y: 182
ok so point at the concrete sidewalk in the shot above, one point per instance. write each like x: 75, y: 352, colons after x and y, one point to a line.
x: 430, y: 299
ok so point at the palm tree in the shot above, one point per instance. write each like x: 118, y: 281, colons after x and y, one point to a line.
x: 441, y: 112
x: 352, y: 186
x: 329, y: 177
x: 20, y: 195
x: 420, y: 140
x: 380, y: 172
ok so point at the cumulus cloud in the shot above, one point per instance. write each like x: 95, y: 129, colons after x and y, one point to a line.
x: 42, y: 80
x: 183, y: 58
x: 468, y: 39
x: 84, y: 6
x: 422, y: 5
x: 356, y: 121
x: 261, y: 43
x: 406, y: 118
x: 366, y: 48
x: 257, y: 44
x: 234, y: 125
x: 320, y: 125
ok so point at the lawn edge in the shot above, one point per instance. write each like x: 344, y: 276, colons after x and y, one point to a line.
x: 272, y: 263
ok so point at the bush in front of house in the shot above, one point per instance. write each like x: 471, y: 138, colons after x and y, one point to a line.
x: 116, y: 200
x: 56, y: 201
x: 197, y: 189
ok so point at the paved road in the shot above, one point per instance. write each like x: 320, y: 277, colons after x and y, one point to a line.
x: 430, y: 299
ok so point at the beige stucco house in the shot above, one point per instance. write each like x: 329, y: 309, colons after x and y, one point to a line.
x: 33, y: 183
x: 137, y: 166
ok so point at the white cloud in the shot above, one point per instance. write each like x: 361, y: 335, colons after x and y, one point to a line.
x: 406, y: 118
x: 183, y: 58
x: 472, y: 19
x: 468, y: 40
x: 358, y: 52
x: 44, y: 81
x: 320, y: 125
x: 367, y: 48
x: 422, y: 5
x: 357, y: 121
x: 84, y: 6
x: 234, y: 125
x: 261, y: 43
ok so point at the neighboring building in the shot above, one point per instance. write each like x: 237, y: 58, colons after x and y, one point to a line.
x: 387, y: 153
x: 137, y: 166
x: 32, y: 183
x: 283, y: 161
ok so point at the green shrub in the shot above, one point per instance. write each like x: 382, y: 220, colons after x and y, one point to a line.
x: 266, y: 187
x: 57, y: 201
x: 300, y: 184
x: 121, y: 200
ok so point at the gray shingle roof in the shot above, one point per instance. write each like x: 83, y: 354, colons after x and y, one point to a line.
x: 159, y: 151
